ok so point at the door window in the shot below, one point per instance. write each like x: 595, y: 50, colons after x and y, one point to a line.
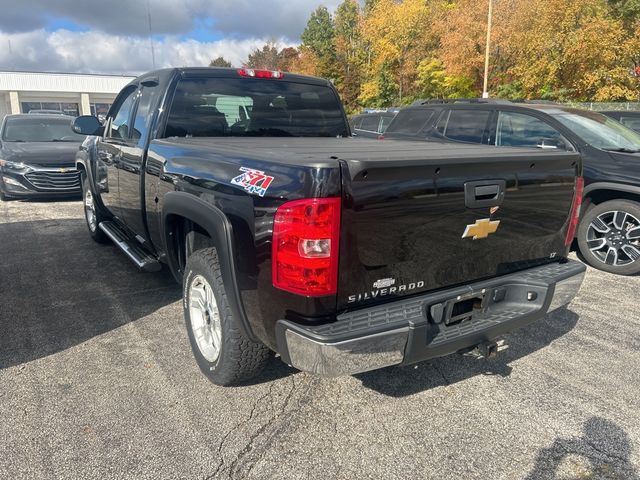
x: 464, y: 125
x: 119, y: 127
x: 522, y: 130
x: 631, y: 122
x: 370, y: 123
x: 410, y: 122
x: 142, y: 120
x: 384, y: 124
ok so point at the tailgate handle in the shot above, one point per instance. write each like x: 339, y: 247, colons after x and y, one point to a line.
x: 485, y: 193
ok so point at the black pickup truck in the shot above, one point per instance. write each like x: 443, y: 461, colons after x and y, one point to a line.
x: 341, y: 255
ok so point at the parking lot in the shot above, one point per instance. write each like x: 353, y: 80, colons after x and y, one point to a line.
x: 98, y: 381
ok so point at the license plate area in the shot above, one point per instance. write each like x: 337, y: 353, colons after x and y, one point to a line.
x: 463, y: 308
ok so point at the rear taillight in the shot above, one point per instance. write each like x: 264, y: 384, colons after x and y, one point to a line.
x: 306, y: 235
x: 575, y: 211
x: 253, y: 73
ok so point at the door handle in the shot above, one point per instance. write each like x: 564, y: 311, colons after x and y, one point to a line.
x: 484, y: 193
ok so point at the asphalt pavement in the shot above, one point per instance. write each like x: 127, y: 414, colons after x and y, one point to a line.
x: 97, y: 381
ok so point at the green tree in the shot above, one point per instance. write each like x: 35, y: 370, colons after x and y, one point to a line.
x: 627, y: 10
x: 319, y: 37
x: 219, y: 62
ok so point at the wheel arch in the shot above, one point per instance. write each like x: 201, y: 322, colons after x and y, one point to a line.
x: 600, y: 192
x: 181, y: 207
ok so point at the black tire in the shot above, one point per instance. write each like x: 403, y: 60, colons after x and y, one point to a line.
x: 239, y: 359
x: 625, y: 263
x: 95, y: 232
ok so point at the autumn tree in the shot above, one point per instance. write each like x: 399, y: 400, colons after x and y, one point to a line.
x: 570, y: 50
x: 349, y: 53
x: 398, y: 37
x: 265, y: 58
x: 287, y: 57
x: 219, y: 62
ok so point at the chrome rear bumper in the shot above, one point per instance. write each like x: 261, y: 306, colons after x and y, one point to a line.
x: 408, y: 332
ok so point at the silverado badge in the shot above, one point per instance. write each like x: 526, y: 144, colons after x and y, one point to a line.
x: 481, y: 229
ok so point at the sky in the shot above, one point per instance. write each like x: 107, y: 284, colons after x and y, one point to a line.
x: 113, y: 36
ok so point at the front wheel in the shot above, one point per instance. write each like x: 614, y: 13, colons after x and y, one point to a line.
x: 609, y: 237
x: 92, y: 213
x: 221, y: 350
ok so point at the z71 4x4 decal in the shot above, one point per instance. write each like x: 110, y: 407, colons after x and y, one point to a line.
x: 253, y: 181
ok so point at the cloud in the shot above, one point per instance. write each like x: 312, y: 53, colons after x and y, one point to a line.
x: 93, y: 52
x: 238, y: 18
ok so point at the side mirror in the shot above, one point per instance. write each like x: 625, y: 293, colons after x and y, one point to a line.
x: 87, y: 125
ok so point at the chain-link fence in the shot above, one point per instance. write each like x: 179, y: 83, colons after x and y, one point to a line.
x: 605, y: 106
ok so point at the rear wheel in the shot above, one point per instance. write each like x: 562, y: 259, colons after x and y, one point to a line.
x: 609, y: 237
x: 92, y: 213
x: 221, y: 350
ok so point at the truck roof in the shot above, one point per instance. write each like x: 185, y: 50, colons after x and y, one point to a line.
x: 164, y: 74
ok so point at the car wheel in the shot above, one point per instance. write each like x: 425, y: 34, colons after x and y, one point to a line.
x: 609, y: 237
x: 92, y: 213
x: 221, y: 350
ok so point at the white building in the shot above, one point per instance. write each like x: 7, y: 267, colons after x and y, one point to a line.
x: 72, y: 93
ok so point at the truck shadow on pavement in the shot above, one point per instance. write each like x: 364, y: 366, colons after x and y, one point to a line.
x: 58, y: 289
x: 411, y: 379
x: 603, y: 451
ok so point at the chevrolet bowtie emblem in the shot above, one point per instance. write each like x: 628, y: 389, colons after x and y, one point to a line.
x: 63, y: 170
x: 481, y: 229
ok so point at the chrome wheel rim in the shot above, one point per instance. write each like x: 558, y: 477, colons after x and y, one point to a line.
x: 614, y: 238
x: 205, y: 318
x: 90, y: 210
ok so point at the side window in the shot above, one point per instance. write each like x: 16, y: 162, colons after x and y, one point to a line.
x: 522, y: 130
x: 631, y: 122
x: 142, y: 120
x: 385, y: 123
x: 119, y: 127
x: 464, y: 125
x: 410, y: 122
x: 370, y: 123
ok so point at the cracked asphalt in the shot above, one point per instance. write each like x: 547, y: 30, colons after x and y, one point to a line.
x: 97, y: 381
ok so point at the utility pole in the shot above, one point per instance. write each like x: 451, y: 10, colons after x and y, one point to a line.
x: 485, y: 93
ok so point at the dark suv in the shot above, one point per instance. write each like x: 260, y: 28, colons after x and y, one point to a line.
x: 37, y: 156
x: 609, y: 233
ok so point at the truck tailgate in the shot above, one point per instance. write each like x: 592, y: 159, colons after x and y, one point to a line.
x: 409, y: 220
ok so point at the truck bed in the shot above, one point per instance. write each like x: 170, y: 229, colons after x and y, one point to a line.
x: 322, y: 152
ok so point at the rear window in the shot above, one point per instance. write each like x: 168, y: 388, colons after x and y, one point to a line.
x: 221, y: 107
x: 464, y: 125
x: 410, y: 121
